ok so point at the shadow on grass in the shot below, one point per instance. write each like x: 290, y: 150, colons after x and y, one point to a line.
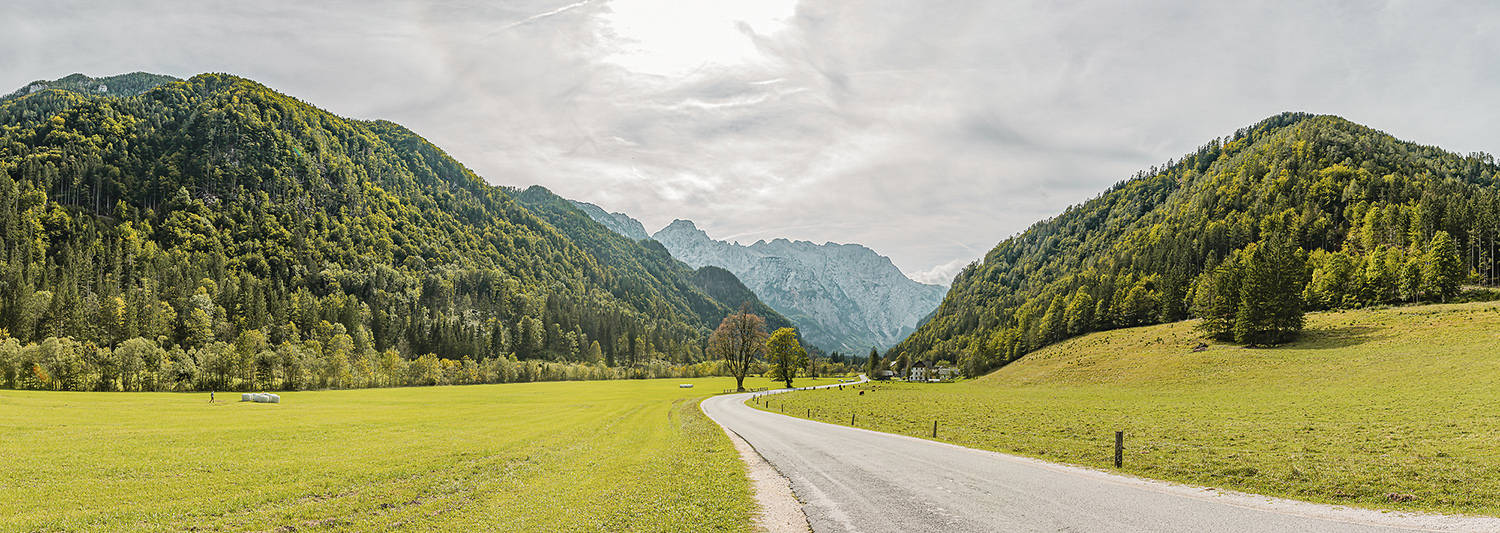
x: 1334, y: 337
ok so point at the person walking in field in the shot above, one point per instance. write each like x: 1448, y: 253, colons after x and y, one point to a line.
x: 210, y: 396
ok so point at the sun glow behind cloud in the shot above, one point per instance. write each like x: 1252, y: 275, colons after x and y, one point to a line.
x: 674, y: 38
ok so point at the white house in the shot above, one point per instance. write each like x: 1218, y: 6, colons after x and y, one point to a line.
x: 930, y: 371
x: 918, y: 371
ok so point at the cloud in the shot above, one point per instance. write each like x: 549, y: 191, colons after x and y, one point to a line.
x: 926, y: 131
x: 941, y: 274
x: 545, y: 14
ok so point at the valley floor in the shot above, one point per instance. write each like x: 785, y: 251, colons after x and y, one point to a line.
x: 1390, y: 408
x: 569, y: 456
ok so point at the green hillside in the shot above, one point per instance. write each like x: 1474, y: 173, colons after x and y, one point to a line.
x: 1374, y: 220
x: 1367, y: 404
x: 723, y: 286
x: 248, y: 239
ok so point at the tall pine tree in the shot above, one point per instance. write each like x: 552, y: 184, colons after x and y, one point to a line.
x: 1270, y: 308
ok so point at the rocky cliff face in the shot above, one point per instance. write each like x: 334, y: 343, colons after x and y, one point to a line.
x: 842, y: 297
x: 617, y: 222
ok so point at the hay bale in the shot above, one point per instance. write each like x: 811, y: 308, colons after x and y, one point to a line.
x: 260, y: 397
x: 685, y: 386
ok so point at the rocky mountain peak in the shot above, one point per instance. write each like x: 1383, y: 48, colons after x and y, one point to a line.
x: 843, y: 297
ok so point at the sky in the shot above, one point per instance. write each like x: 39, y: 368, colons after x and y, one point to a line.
x: 928, y: 131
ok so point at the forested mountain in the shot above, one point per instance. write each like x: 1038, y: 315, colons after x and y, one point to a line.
x: 215, y: 233
x: 122, y: 85
x: 725, y: 287
x: 843, y: 297
x: 1341, y: 214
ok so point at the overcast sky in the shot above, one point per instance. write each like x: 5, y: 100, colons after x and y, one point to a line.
x: 928, y: 131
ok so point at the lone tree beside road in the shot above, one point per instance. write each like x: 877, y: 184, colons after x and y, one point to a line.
x: 739, y: 341
x: 786, y: 355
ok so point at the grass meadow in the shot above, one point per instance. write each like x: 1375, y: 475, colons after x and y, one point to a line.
x: 1389, y: 408
x: 565, y: 456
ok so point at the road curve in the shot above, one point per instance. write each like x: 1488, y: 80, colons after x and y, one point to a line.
x: 851, y: 479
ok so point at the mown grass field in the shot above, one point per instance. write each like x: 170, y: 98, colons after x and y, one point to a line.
x: 1369, y: 403
x: 569, y: 456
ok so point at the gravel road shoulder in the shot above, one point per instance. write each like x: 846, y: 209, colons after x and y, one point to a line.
x: 780, y: 510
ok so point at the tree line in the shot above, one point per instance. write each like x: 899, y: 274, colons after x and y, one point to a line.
x: 214, y: 233
x: 250, y: 363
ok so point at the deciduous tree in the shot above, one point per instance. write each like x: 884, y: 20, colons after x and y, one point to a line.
x: 739, y: 340
x: 787, y: 356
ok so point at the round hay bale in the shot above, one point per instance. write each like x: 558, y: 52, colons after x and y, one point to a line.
x: 274, y: 398
x: 247, y: 397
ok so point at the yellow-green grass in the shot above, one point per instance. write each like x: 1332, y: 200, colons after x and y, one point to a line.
x: 1370, y: 403
x: 580, y: 456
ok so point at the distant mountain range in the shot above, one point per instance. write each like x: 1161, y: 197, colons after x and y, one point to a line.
x: 617, y: 222
x: 122, y: 85
x: 711, y: 292
x: 842, y: 297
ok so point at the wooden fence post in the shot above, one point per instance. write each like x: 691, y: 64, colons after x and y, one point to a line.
x: 1119, y: 448
x: 934, y: 429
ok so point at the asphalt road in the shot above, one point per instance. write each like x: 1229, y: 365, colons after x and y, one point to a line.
x: 851, y: 479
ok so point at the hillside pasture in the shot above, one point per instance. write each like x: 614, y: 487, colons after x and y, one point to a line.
x: 1395, y: 408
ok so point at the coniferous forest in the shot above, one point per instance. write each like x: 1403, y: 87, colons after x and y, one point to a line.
x: 214, y: 234
x: 1297, y: 213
